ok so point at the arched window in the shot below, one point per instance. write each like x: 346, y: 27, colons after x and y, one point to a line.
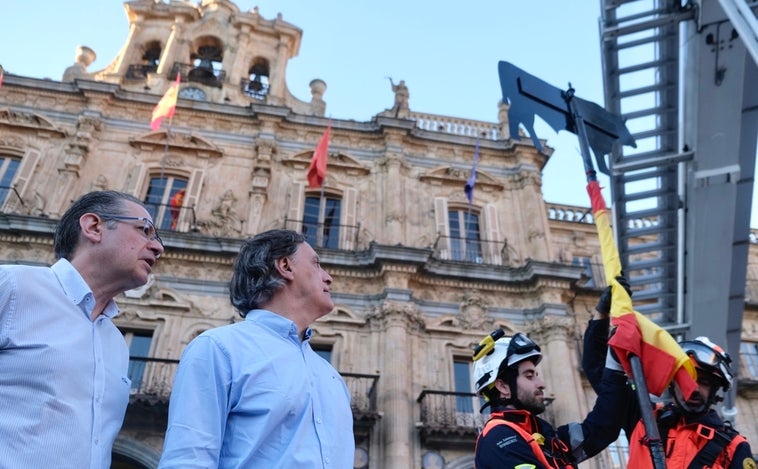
x: 207, y: 59
x: 257, y: 84
x: 165, y: 200
x: 321, y: 221
x: 8, y: 169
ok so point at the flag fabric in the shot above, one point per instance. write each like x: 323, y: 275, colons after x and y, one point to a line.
x: 175, y: 207
x: 2, y: 74
x: 166, y: 106
x: 469, y: 189
x: 317, y: 168
x: 662, y: 359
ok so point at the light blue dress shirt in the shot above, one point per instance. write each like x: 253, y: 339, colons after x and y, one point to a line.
x: 252, y: 395
x: 63, y: 377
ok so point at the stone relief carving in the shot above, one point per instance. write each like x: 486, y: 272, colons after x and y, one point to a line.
x: 395, y: 313
x: 474, y: 311
x: 225, y: 221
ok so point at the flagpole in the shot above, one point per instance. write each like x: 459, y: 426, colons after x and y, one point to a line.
x: 652, y: 435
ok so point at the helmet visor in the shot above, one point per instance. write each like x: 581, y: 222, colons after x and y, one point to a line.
x: 521, y: 344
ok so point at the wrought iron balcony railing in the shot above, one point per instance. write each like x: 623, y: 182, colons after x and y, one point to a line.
x: 140, y: 71
x: 327, y: 235
x: 254, y: 88
x: 451, y: 248
x: 5, y: 191
x: 450, y: 418
x: 203, y: 75
x: 169, y: 217
x: 152, y: 378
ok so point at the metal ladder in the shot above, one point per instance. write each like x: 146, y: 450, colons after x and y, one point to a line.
x: 641, y: 63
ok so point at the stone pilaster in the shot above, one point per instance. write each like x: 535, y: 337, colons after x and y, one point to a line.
x: 395, y: 322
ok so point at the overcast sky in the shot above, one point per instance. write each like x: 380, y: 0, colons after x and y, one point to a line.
x: 447, y: 53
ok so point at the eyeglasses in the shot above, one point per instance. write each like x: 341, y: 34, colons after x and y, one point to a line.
x: 148, y: 229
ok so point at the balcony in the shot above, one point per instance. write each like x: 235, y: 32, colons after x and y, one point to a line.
x: 255, y: 89
x: 203, y: 75
x: 140, y: 71
x: 451, y: 248
x: 449, y: 419
x: 327, y: 235
x: 152, y: 379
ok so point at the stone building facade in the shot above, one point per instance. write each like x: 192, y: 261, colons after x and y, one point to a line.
x: 420, y: 274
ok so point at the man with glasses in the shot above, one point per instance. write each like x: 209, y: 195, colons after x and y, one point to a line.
x: 63, y: 363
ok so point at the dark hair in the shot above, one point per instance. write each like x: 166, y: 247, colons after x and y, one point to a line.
x: 67, y: 231
x: 255, y: 279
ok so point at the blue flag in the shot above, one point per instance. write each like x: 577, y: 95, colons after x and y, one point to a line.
x: 469, y: 189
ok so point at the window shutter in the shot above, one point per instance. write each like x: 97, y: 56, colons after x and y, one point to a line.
x: 136, y: 181
x: 25, y: 172
x: 492, y: 235
x: 295, y: 213
x: 443, y: 227
x: 194, y: 185
x: 349, y: 232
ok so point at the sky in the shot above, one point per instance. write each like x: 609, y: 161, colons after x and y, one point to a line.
x: 447, y: 52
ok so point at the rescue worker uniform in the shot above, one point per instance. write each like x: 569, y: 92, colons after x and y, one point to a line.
x: 514, y: 438
x: 689, y: 440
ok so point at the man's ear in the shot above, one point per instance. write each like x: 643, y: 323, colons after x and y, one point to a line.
x: 91, y: 227
x: 284, y: 267
x: 504, y: 389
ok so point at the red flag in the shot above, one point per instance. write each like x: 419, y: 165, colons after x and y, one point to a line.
x: 317, y: 168
x: 166, y: 106
x: 175, y: 207
x: 661, y: 356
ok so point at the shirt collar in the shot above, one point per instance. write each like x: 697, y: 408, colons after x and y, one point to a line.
x: 77, y: 290
x: 278, y: 323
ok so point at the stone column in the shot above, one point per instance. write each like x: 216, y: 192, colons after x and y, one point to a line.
x: 560, y: 368
x: 396, y: 320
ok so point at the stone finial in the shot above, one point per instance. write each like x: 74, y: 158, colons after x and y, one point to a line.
x: 318, y: 105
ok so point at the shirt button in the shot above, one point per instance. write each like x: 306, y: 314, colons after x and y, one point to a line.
x: 326, y: 460
x: 318, y: 420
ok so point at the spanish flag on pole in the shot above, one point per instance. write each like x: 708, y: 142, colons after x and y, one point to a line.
x: 166, y: 106
x: 661, y: 356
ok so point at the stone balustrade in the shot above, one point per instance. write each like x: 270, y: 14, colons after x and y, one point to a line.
x: 457, y: 126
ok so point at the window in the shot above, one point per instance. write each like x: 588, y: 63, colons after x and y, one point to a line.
x: 139, y: 342
x: 321, y: 217
x: 258, y: 83
x: 323, y: 351
x: 465, y: 242
x: 165, y: 201
x: 8, y: 168
x: 466, y: 405
x: 618, y: 452
x: 749, y: 360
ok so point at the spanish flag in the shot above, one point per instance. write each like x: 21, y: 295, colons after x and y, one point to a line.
x: 662, y: 359
x: 317, y: 168
x: 166, y: 106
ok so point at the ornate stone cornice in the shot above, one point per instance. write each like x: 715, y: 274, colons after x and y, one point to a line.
x: 394, y: 313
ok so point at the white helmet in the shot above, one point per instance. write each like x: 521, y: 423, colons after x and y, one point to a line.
x: 513, y: 349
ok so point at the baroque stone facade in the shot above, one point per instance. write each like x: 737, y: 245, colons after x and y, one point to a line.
x: 420, y: 274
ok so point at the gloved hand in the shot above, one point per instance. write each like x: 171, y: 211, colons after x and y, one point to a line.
x: 604, y: 303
